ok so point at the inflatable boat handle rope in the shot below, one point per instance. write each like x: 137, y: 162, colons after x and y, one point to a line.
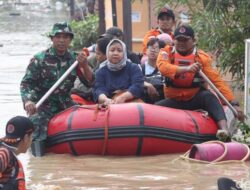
x: 97, y: 108
x: 106, y: 131
x: 218, y: 160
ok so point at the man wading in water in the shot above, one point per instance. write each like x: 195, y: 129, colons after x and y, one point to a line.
x: 44, y: 70
x: 17, y: 140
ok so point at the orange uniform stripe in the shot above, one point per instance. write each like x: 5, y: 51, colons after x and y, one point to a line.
x: 4, y: 159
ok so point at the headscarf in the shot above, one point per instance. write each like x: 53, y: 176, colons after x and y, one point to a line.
x: 122, y: 63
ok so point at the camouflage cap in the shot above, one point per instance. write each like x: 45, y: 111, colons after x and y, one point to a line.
x: 61, y: 27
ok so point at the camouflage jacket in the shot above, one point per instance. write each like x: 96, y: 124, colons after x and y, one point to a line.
x: 44, y: 69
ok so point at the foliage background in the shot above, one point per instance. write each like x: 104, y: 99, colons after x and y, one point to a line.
x: 221, y: 27
x: 85, y: 32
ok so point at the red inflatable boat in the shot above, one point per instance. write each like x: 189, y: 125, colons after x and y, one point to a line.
x: 128, y: 129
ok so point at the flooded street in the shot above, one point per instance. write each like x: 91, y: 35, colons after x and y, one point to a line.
x: 20, y: 38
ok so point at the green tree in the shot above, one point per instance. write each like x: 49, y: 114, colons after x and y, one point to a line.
x: 85, y: 32
x: 221, y: 27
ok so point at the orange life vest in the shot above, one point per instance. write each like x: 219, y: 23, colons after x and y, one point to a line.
x: 17, y: 178
x: 187, y: 79
x: 20, y: 177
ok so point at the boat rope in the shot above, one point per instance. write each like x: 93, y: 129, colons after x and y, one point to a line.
x: 106, y: 130
x: 218, y: 160
x: 97, y: 108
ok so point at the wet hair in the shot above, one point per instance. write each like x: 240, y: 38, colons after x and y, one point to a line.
x: 14, y: 142
x: 115, y: 31
x: 103, y: 43
x: 154, y: 40
x: 162, y: 44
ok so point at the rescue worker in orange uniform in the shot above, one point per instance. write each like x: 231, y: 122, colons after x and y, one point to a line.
x: 165, y: 21
x: 17, y: 140
x: 184, y: 88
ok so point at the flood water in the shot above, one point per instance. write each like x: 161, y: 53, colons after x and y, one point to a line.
x: 21, y: 37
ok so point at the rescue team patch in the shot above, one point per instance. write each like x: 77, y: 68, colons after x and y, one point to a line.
x: 164, y: 55
x: 182, y: 30
x: 10, y: 128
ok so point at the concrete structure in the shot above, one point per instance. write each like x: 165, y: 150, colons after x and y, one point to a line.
x: 144, y: 17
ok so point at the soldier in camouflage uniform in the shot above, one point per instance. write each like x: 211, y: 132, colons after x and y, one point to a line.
x: 44, y: 69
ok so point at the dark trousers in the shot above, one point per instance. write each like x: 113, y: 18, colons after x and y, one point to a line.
x: 204, y: 99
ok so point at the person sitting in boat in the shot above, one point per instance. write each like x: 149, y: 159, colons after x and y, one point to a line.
x: 44, y: 69
x: 17, y: 140
x: 164, y: 39
x: 118, y: 77
x: 117, y: 33
x: 183, y: 85
x: 153, y: 85
x: 165, y: 21
x: 82, y: 91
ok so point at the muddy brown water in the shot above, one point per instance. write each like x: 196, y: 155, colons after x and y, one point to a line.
x: 152, y: 172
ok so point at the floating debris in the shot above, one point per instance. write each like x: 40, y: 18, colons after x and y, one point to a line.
x: 14, y: 14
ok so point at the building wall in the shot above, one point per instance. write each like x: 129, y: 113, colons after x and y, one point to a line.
x: 108, y: 14
x: 142, y: 19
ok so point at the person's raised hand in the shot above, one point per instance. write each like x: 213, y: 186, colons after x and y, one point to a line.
x: 82, y: 59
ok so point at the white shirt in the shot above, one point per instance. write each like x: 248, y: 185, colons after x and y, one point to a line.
x: 148, y: 68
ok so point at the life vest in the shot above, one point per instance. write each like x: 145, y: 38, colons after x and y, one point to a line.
x: 20, y: 177
x: 187, y: 79
x: 17, y: 178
